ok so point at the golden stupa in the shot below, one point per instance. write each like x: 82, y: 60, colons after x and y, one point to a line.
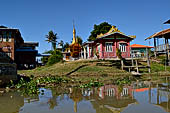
x: 75, y: 47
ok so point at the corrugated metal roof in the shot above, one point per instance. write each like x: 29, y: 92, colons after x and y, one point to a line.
x: 167, y: 22
x: 159, y: 34
x: 26, y: 50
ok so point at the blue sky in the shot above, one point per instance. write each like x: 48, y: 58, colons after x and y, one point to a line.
x: 35, y: 18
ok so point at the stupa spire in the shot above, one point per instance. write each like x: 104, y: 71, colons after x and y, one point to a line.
x: 74, y: 34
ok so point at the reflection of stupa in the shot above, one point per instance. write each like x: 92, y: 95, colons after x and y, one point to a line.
x: 76, y: 96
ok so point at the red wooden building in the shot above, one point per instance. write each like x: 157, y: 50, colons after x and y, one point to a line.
x: 15, y: 49
x: 105, y: 45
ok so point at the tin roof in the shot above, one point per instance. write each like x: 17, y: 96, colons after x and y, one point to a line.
x: 31, y: 43
x: 140, y: 46
x: 160, y: 34
x: 167, y: 22
x: 4, y: 27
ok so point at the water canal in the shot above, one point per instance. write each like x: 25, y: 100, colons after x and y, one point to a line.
x: 139, y: 97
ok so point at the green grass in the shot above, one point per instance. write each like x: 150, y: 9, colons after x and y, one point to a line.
x: 90, y: 69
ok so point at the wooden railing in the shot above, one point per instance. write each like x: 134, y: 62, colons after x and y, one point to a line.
x: 108, y: 54
x: 162, y: 47
x: 113, y: 54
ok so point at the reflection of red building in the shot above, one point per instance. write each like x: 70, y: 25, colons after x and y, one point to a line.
x: 115, y: 91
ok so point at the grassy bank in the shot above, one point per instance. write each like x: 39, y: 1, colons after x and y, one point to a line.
x: 97, y: 70
x: 86, y: 73
x: 83, y: 70
x: 89, y: 68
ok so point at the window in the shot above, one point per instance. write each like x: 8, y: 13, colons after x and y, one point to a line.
x: 9, y: 54
x: 109, y: 47
x: 9, y: 37
x: 122, y: 47
x: 4, y: 36
x: 98, y: 48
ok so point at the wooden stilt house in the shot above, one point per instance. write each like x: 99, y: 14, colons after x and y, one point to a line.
x: 161, y: 48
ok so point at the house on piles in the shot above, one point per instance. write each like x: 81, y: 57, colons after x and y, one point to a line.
x: 106, y: 45
x: 161, y: 43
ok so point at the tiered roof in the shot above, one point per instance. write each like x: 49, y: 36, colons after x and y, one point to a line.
x: 112, y: 31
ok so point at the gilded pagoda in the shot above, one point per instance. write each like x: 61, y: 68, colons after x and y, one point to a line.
x: 74, y: 49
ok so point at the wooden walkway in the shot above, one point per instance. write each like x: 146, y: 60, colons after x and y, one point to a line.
x: 135, y: 66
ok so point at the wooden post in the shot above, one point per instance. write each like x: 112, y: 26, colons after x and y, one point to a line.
x: 129, y: 69
x: 132, y: 58
x: 148, y: 60
x: 155, y: 47
x: 122, y: 64
x: 132, y: 62
x: 137, y: 66
x: 167, y: 51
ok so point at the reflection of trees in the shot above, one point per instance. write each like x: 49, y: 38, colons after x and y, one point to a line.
x: 76, y: 96
x: 11, y: 102
x: 58, y: 91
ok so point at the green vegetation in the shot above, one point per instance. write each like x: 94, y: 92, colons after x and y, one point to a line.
x: 30, y: 85
x: 92, y: 83
x: 52, y: 38
x: 56, y: 56
x: 84, y: 74
x: 91, y: 68
x: 98, y: 29
x: 118, y: 53
x: 123, y: 81
x: 79, y: 40
x: 66, y: 46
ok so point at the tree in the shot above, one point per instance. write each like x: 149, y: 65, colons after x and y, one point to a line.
x: 55, y: 57
x: 79, y: 40
x: 61, y: 43
x: 52, y: 38
x: 98, y: 29
x: 66, y: 45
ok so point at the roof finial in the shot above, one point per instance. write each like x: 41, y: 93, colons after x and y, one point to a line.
x: 73, y: 24
x: 74, y: 34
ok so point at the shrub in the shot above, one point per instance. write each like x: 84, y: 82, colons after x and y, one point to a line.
x: 55, y: 57
x: 118, y: 53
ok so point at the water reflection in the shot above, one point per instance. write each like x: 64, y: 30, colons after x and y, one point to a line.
x: 11, y: 102
x: 138, y: 97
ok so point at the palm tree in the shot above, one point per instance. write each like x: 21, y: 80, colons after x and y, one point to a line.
x: 66, y: 46
x: 79, y: 40
x: 52, y: 38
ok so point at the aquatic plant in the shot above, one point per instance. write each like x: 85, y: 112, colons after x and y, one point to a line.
x: 91, y: 84
x: 122, y: 81
x: 31, y: 85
